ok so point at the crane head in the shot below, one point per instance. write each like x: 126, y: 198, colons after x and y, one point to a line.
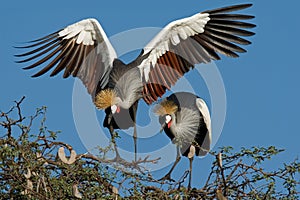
x: 115, y: 109
x: 166, y: 109
x: 167, y: 122
x: 108, y: 98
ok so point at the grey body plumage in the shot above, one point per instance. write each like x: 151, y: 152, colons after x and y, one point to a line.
x: 188, y: 125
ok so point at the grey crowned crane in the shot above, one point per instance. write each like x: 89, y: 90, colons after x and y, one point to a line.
x: 84, y: 51
x: 186, y: 120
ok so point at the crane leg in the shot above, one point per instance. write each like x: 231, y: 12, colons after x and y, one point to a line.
x: 190, y: 175
x: 135, y: 142
x: 135, y: 130
x: 112, y: 131
x: 168, y: 175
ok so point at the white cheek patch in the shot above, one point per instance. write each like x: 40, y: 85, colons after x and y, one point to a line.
x: 113, y: 109
x: 168, y: 119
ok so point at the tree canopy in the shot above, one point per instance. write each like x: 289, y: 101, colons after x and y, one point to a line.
x: 34, y: 165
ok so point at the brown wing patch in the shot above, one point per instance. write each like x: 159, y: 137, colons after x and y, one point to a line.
x: 168, y: 69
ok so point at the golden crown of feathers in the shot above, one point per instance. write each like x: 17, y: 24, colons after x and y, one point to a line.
x: 165, y: 108
x: 105, y: 98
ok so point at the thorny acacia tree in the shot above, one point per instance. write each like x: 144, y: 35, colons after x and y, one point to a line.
x: 33, y: 165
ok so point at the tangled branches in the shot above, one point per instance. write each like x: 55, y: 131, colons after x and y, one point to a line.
x: 34, y: 165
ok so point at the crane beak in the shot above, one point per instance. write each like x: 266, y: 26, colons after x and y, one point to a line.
x: 162, y: 127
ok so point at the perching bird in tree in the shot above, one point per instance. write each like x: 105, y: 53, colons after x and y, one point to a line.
x: 186, y: 120
x: 84, y: 51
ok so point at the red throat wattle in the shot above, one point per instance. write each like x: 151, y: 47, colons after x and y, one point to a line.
x: 118, y: 109
x: 169, y: 124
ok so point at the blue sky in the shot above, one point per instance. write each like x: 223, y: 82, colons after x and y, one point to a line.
x: 262, y: 86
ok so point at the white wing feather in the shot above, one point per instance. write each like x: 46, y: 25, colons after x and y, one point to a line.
x: 173, y: 33
x: 81, y: 49
x: 206, y: 117
x: 87, y: 32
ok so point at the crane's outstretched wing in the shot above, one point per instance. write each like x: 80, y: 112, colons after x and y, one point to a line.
x: 81, y: 50
x: 189, y: 41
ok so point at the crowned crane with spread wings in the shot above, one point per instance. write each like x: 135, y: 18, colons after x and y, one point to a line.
x: 84, y: 51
